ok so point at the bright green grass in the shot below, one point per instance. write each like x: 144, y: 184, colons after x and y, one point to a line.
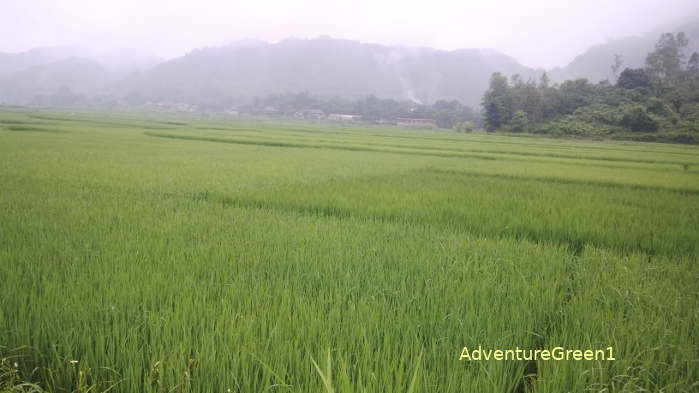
x: 180, y: 254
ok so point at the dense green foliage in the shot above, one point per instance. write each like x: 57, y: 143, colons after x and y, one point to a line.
x: 656, y: 103
x: 177, y: 255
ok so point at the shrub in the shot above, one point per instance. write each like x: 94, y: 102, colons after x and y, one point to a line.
x: 637, y: 119
x: 519, y: 123
x: 466, y: 126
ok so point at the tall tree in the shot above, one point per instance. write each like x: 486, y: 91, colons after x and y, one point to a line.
x: 634, y: 78
x: 616, y: 66
x: 573, y: 94
x: 497, y: 103
x: 693, y: 65
x: 665, y: 62
x: 520, y: 122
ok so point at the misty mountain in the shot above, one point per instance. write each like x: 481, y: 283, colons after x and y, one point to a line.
x: 236, y: 74
x: 82, y: 76
x: 325, y: 67
x: 32, y: 77
x: 595, y: 64
x: 119, y: 62
x: 11, y: 63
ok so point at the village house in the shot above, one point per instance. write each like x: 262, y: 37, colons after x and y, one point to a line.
x: 171, y: 106
x: 418, y: 123
x: 268, y: 110
x: 314, y: 114
x: 343, y: 117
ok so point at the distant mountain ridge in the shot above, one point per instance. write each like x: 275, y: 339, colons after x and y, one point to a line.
x: 235, y: 74
x: 242, y: 71
x: 120, y: 62
x: 80, y: 74
x: 595, y: 63
x: 326, y: 67
x: 11, y: 63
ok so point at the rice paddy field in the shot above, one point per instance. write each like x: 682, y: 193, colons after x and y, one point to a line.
x: 173, y: 254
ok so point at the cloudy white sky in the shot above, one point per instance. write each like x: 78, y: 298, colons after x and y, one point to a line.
x: 543, y: 33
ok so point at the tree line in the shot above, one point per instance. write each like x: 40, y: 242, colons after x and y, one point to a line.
x: 446, y: 114
x: 657, y: 102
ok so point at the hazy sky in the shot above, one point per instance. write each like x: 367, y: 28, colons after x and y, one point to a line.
x: 537, y: 33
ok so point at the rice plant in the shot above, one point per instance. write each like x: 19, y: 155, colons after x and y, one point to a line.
x: 175, y: 254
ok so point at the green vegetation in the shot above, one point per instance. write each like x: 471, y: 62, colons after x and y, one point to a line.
x: 446, y: 114
x: 143, y: 254
x: 657, y: 103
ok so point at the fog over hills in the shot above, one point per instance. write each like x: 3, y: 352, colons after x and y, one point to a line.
x: 80, y: 75
x: 595, y: 63
x: 239, y: 72
x: 220, y: 77
x: 326, y: 67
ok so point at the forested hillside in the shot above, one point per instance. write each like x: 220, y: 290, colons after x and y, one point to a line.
x: 597, y: 63
x: 659, y: 102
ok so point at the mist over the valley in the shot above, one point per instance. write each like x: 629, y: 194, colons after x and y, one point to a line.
x: 221, y: 77
x: 340, y: 196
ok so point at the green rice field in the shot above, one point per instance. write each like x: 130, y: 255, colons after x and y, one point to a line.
x: 178, y: 254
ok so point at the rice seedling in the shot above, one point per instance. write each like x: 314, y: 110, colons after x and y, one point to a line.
x: 313, y: 258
